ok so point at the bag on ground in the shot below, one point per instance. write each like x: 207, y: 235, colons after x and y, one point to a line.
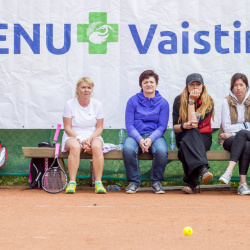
x: 38, y: 166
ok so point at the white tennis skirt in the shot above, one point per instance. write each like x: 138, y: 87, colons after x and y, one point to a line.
x: 66, y: 137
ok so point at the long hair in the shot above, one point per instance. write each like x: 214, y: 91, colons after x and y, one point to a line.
x: 206, y: 106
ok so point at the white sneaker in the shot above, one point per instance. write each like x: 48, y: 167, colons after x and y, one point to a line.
x: 243, y: 189
x: 226, y: 177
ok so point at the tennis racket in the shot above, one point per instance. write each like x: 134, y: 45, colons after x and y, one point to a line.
x: 54, y: 179
x: 46, y: 160
x: 56, y: 134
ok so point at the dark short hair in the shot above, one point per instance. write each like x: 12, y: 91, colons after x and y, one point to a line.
x: 146, y: 74
x: 236, y: 77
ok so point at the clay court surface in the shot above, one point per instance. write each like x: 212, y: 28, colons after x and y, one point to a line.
x: 34, y: 219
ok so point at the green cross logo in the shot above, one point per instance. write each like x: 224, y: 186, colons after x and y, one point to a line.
x: 97, y: 33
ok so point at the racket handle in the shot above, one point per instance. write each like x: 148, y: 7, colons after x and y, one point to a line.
x: 57, y: 132
x: 57, y: 149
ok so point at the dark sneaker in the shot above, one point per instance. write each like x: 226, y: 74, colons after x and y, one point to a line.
x: 131, y: 188
x: 206, y: 175
x: 187, y: 190
x: 157, y: 187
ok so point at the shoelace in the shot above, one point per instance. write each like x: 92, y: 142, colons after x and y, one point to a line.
x: 99, y: 185
x: 71, y: 185
x: 131, y: 185
x: 157, y: 186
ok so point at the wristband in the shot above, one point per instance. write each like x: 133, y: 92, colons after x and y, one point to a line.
x: 182, y: 128
x: 79, y: 139
x: 234, y: 133
x: 245, y: 124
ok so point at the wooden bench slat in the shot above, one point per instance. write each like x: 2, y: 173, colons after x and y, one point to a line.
x: 32, y: 152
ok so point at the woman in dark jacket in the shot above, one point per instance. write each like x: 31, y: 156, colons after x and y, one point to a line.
x: 192, y: 139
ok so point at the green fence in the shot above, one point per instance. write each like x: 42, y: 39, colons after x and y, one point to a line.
x: 17, y: 164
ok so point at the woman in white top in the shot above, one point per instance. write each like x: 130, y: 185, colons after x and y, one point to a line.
x: 234, y: 133
x: 83, y: 126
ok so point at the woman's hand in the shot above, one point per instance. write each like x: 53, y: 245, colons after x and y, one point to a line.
x: 226, y: 135
x: 148, y: 143
x: 145, y: 144
x: 86, y: 144
x: 194, y: 95
x: 189, y: 125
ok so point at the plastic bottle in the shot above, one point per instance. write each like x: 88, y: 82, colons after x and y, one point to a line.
x: 121, y: 138
x: 113, y: 188
x: 172, y: 140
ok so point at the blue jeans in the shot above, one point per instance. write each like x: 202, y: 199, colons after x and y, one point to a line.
x: 131, y: 150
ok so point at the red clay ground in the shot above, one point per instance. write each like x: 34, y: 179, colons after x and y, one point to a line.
x: 35, y: 219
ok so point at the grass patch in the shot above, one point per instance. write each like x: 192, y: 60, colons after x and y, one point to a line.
x: 14, y: 181
x: 24, y: 181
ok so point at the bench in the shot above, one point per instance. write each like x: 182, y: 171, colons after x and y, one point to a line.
x: 34, y: 152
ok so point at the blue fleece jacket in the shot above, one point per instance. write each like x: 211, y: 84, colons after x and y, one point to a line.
x: 146, y: 116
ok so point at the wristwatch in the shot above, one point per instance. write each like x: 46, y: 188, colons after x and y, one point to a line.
x: 190, y: 102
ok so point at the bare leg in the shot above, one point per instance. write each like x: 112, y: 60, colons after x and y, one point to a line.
x: 74, y: 148
x: 97, y: 157
x: 243, y: 179
x: 231, y: 166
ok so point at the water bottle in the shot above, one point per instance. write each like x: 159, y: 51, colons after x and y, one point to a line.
x: 172, y: 139
x: 113, y: 188
x: 121, y: 138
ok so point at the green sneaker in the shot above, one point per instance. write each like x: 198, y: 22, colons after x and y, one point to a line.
x: 99, y: 188
x: 71, y: 188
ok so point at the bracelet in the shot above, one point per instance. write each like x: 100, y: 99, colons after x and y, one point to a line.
x: 79, y: 139
x: 182, y: 128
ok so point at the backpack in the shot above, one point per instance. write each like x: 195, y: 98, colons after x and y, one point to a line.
x: 38, y: 166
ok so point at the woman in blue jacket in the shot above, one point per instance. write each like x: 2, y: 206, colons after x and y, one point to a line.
x: 146, y: 120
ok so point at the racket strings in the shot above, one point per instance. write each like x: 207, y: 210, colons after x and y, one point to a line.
x: 55, y: 180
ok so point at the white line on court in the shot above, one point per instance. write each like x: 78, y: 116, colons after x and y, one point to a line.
x: 88, y: 206
x: 183, y: 207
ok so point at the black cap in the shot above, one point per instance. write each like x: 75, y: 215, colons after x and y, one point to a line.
x: 195, y: 77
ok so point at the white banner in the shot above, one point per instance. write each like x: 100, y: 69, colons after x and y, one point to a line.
x: 46, y: 46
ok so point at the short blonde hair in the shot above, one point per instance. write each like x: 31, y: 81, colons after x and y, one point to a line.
x: 84, y: 79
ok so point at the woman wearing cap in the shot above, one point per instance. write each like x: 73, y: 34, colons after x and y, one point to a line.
x: 193, y: 140
x: 146, y: 119
x: 234, y: 132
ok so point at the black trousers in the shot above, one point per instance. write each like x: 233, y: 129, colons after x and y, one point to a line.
x: 239, y: 147
x: 192, y: 147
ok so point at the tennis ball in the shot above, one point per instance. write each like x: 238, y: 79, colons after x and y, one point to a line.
x: 188, y: 231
